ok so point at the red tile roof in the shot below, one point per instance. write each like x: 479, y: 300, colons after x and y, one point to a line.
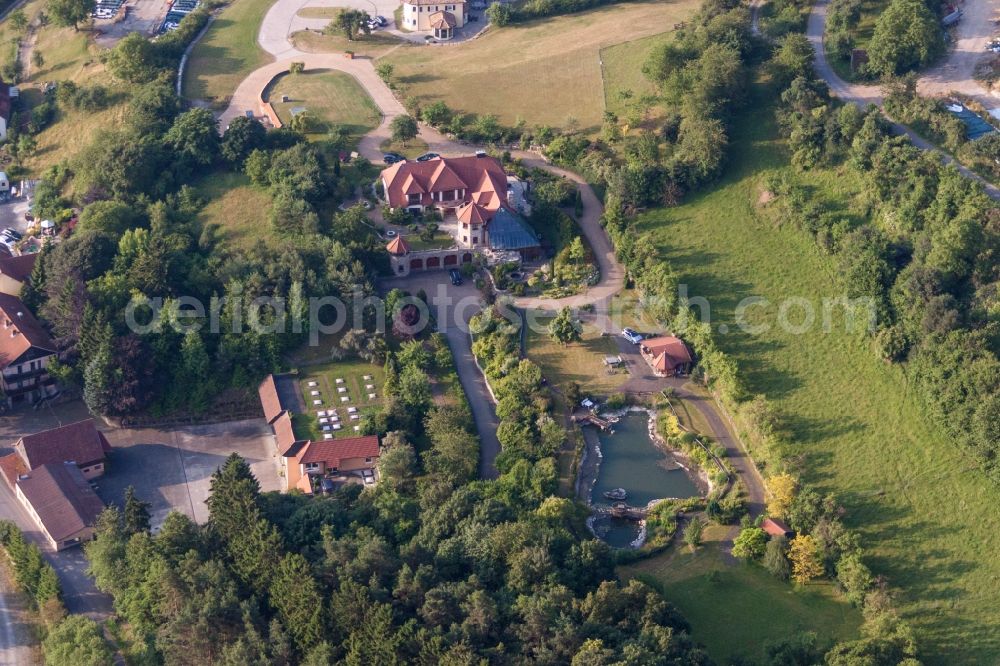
x: 284, y: 433
x: 398, y: 246
x: 80, y: 442
x: 12, y: 467
x: 18, y: 268
x: 269, y: 399
x: 482, y: 178
x: 667, y: 352
x: 20, y: 331
x: 62, y: 499
x: 775, y: 527
x: 473, y: 213
x: 332, y: 451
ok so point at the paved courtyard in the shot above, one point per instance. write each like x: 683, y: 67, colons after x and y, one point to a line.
x: 170, y: 468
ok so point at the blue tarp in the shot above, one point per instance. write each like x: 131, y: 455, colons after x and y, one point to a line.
x: 509, y: 232
x: 975, y: 126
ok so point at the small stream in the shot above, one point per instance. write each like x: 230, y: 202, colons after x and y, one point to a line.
x: 629, y: 459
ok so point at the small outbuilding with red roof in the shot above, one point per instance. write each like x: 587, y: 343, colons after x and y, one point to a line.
x: 776, y: 528
x: 667, y: 355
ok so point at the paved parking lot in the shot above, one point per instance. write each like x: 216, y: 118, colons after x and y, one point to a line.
x: 170, y: 468
x: 144, y: 17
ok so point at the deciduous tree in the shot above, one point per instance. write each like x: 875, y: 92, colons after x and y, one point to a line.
x: 806, y: 562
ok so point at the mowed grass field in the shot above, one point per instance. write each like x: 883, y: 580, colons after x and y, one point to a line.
x: 238, y: 209
x: 333, y: 98
x: 581, y: 362
x: 352, y: 374
x: 734, y: 610
x: 927, y: 516
x: 227, y: 53
x: 367, y: 46
x: 623, y: 70
x: 543, y: 71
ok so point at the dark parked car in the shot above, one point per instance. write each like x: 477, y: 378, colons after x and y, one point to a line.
x: 427, y: 157
x: 456, y: 277
x: 392, y: 158
x: 327, y: 485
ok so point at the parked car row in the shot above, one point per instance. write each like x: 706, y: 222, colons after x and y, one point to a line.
x: 178, y: 11
x: 993, y: 45
x: 392, y: 158
x: 106, y: 9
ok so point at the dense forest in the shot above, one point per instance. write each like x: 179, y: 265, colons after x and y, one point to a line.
x: 431, y: 566
x: 138, y: 237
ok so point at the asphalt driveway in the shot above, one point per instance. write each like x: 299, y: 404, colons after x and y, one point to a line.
x: 453, y: 307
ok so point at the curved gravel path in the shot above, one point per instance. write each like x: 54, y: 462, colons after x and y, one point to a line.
x: 866, y: 94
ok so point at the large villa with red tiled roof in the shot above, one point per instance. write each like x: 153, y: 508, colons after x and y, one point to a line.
x: 470, y: 192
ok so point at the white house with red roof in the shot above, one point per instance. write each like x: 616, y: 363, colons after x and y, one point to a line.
x: 350, y: 456
x: 439, y: 18
x: 25, y: 352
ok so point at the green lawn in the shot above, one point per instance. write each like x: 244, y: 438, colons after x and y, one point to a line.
x: 926, y: 514
x: 369, y: 46
x: 623, y: 71
x: 544, y: 71
x: 738, y: 608
x: 414, y: 148
x: 581, y: 362
x: 353, y: 373
x: 332, y: 98
x: 227, y: 53
x: 320, y: 12
x: 441, y: 240
x: 238, y: 208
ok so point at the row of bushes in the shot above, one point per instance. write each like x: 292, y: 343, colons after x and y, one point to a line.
x: 34, y: 576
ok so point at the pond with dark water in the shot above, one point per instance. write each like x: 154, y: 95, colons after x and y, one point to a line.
x: 631, y: 460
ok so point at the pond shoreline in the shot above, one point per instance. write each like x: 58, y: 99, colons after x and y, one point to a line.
x: 590, y: 464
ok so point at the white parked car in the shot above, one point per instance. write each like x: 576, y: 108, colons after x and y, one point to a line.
x: 632, y: 336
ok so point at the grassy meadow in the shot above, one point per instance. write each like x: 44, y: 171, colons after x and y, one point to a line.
x: 926, y: 514
x: 735, y: 609
x: 239, y: 210
x: 581, y: 362
x: 227, y: 53
x: 623, y: 71
x: 544, y: 71
x: 333, y: 99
